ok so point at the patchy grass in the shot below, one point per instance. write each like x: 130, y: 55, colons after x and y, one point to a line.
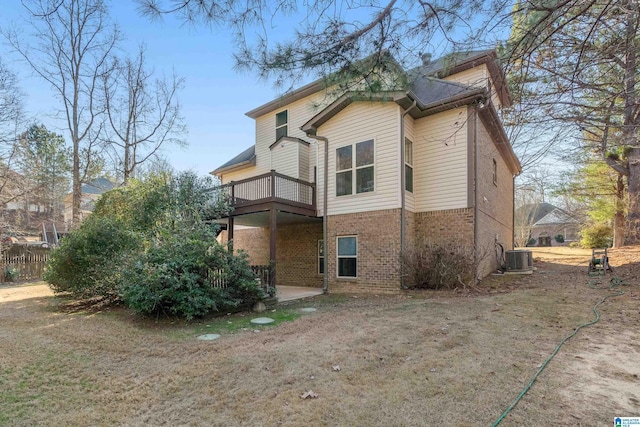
x: 420, y: 358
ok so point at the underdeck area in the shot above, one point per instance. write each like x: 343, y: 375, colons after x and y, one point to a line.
x: 290, y: 293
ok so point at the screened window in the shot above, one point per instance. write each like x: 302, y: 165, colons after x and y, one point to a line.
x: 347, y: 256
x: 354, y: 173
x: 408, y: 165
x: 282, y: 120
x: 320, y: 257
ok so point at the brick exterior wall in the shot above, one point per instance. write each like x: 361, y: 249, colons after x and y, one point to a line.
x: 297, y: 254
x: 378, y: 234
x: 296, y: 251
x: 495, y: 203
x: 254, y: 241
x: 445, y: 226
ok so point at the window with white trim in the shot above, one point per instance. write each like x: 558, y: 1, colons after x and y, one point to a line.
x: 320, y: 257
x: 282, y: 120
x: 360, y: 165
x: 408, y: 165
x: 347, y: 256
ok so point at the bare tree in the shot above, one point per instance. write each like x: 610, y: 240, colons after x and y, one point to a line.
x: 580, y: 59
x: 11, y: 118
x: 333, y: 35
x: 143, y: 112
x: 74, y: 39
x: 529, y: 195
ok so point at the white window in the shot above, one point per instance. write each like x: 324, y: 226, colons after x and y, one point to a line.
x: 360, y: 165
x: 282, y: 119
x: 408, y: 165
x: 347, y: 256
x: 320, y: 257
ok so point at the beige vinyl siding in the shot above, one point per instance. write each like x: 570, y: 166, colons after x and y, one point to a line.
x: 409, y: 198
x: 476, y: 76
x: 285, y: 158
x: 239, y: 174
x: 362, y: 121
x: 299, y: 113
x: 440, y: 161
x: 303, y: 162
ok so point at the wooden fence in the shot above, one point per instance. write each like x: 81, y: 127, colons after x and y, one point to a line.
x: 27, y: 260
x: 263, y: 273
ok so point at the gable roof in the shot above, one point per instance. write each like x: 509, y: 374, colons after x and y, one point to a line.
x: 556, y: 216
x: 539, y: 214
x: 457, y: 62
x: 247, y: 157
x: 97, y: 186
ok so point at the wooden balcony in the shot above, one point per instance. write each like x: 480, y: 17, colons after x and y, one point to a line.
x: 269, y: 191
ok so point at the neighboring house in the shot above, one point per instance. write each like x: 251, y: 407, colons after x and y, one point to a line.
x: 16, y: 192
x: 90, y: 193
x: 547, y: 221
x: 431, y: 162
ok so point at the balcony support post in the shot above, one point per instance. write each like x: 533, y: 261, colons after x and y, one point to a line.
x: 230, y: 231
x: 273, y: 231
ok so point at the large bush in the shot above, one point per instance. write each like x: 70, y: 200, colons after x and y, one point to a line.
x: 188, y: 275
x: 596, y: 236
x: 88, y: 261
x: 151, y: 244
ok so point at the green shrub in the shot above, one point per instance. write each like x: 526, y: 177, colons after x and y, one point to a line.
x: 596, y: 236
x: 531, y: 242
x: 11, y: 273
x: 176, y: 275
x: 88, y: 261
x: 559, y: 238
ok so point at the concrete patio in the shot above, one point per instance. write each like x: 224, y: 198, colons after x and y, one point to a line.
x: 288, y: 293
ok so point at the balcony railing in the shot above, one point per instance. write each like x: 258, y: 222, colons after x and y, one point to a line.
x: 271, y: 187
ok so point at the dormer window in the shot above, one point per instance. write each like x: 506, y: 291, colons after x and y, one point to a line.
x: 282, y: 120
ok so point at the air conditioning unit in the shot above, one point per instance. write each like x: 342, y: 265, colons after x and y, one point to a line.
x: 519, y: 260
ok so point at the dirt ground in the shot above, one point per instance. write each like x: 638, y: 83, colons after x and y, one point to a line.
x: 415, y: 359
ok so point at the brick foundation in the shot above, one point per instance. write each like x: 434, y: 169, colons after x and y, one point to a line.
x: 297, y: 254
x: 378, y: 234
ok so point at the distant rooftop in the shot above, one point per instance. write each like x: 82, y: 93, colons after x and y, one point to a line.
x: 97, y: 186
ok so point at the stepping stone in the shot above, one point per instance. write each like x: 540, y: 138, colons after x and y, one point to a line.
x: 209, y: 337
x: 308, y: 310
x: 262, y: 320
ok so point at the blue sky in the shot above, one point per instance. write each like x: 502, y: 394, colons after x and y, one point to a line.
x: 214, y: 99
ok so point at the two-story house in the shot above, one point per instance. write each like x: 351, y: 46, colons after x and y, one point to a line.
x: 336, y: 187
x: 91, y: 192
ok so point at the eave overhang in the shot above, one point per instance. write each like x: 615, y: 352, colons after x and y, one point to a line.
x: 234, y: 167
x: 491, y: 120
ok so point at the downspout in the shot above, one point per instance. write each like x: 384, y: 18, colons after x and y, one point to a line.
x: 475, y: 186
x: 325, y: 284
x: 403, y: 207
x: 513, y: 211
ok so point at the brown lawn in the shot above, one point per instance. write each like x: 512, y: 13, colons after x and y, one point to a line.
x: 417, y: 359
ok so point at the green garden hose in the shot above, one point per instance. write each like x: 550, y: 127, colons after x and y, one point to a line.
x: 614, y: 283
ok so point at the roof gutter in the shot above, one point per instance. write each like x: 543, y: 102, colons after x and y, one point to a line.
x: 241, y: 165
